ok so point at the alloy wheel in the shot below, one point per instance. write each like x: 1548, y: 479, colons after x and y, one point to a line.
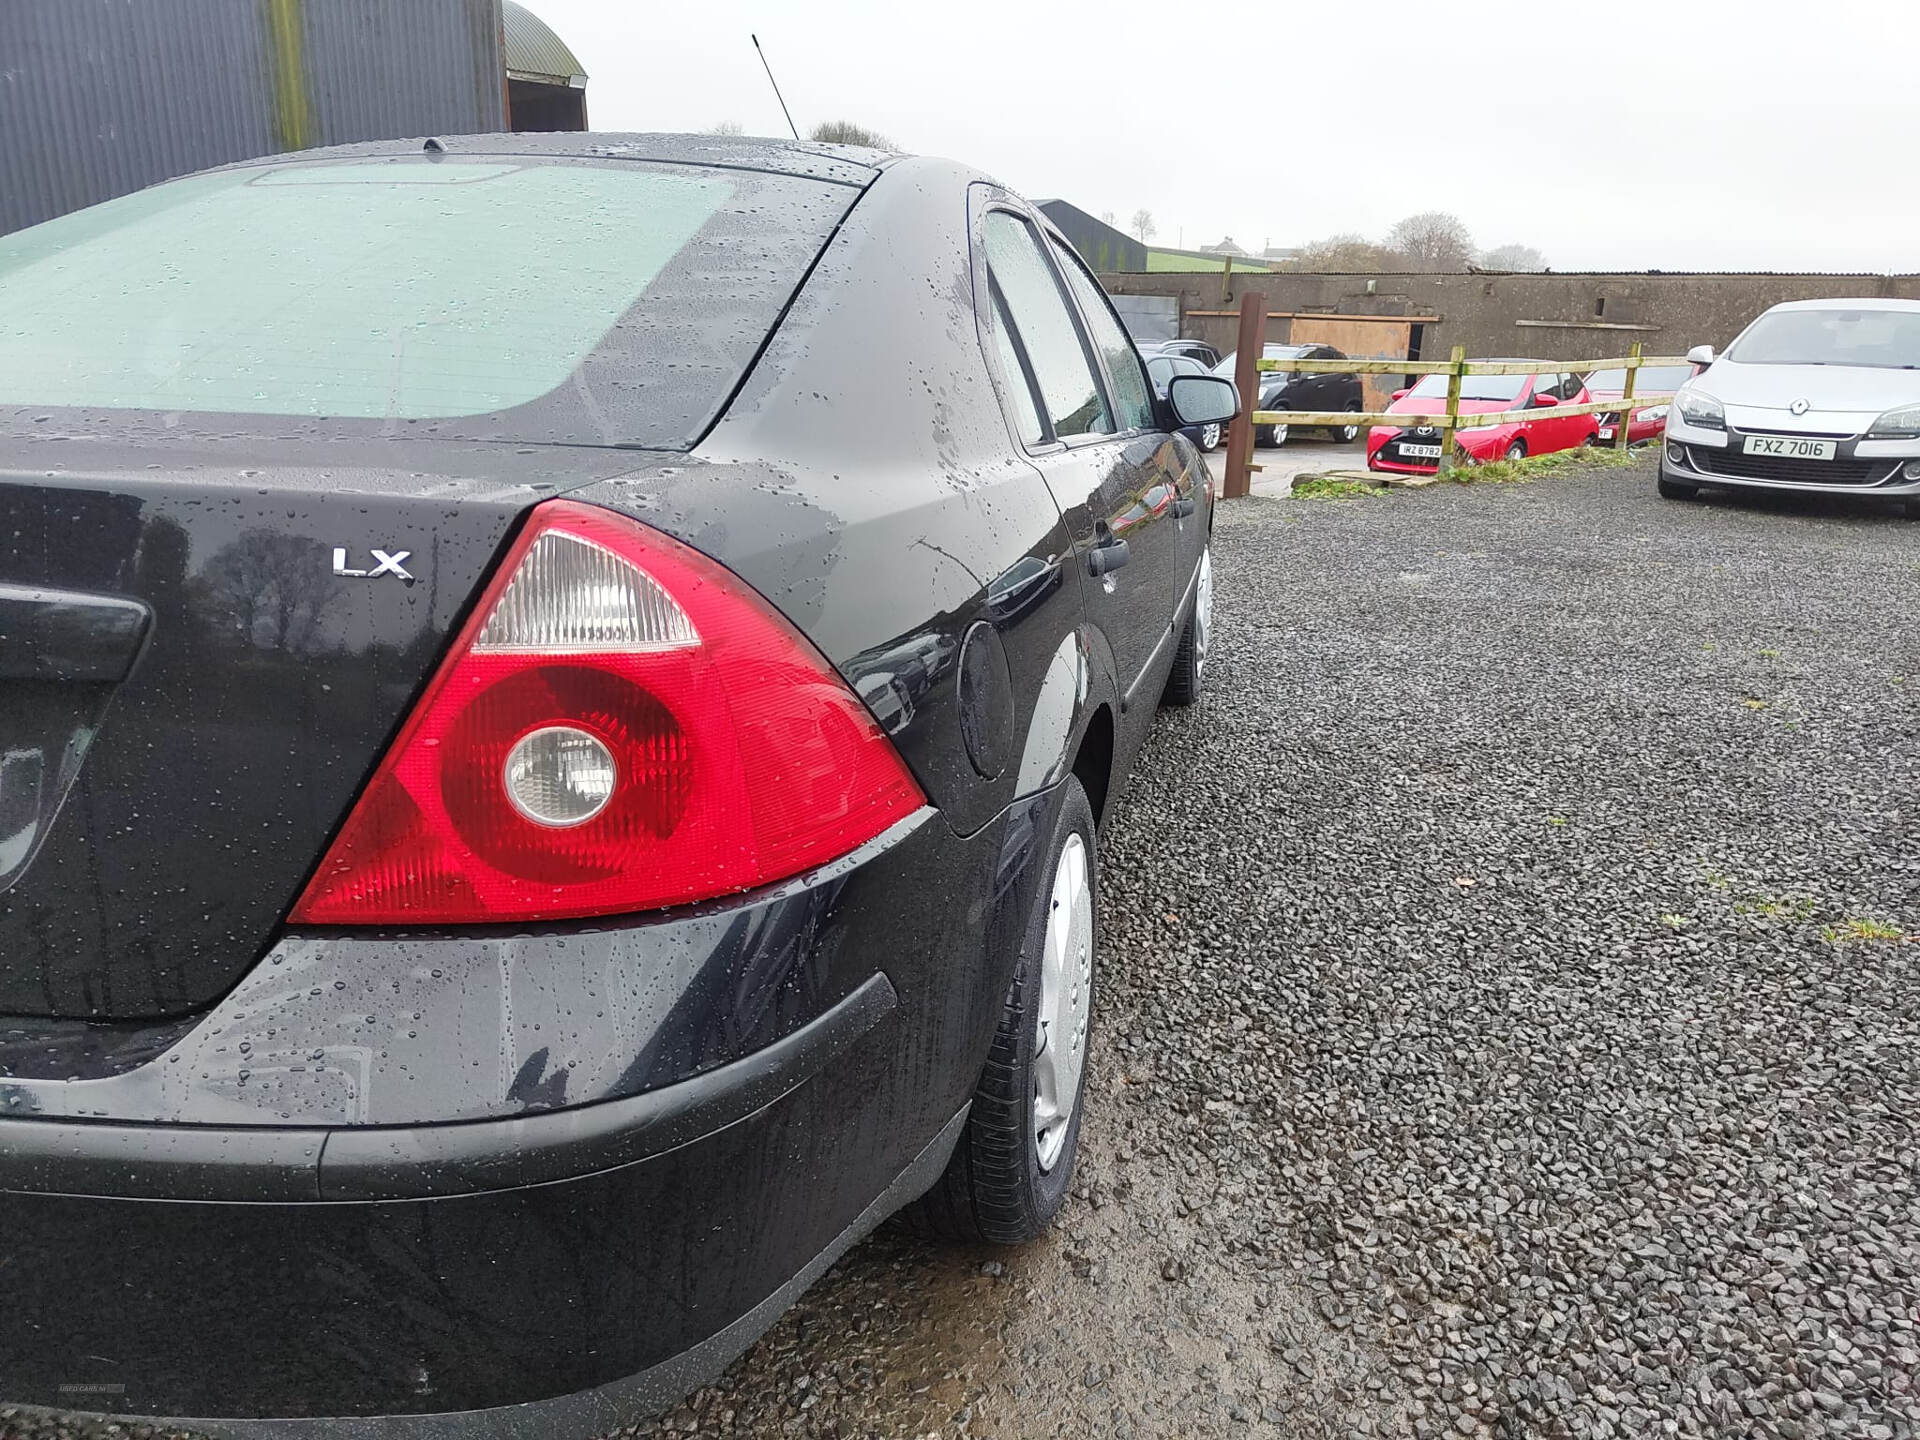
x: 1066, y: 1002
x: 1203, y: 612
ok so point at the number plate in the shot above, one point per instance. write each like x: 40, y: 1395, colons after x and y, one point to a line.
x: 1420, y: 452
x: 1606, y: 432
x: 1789, y: 447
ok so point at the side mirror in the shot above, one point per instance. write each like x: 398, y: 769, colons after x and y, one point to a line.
x: 1202, y: 399
x: 1546, y: 400
x: 1701, y: 355
x: 1402, y: 394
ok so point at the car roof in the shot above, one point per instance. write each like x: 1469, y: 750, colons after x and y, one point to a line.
x: 844, y: 164
x: 1841, y: 302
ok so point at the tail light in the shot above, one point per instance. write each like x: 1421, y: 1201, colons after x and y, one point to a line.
x: 622, y: 725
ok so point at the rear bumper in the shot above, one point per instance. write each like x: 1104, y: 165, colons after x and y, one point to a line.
x: 505, y: 1300
x: 546, y: 1271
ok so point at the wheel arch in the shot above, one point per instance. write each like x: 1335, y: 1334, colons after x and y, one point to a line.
x: 1093, y: 760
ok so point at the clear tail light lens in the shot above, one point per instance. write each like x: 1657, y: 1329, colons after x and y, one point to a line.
x: 622, y: 724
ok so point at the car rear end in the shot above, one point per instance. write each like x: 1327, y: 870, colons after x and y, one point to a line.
x: 444, y: 926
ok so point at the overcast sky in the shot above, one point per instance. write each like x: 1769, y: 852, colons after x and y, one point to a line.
x: 1717, y: 134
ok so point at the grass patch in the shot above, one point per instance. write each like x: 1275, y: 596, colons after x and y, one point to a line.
x: 1325, y: 487
x: 1861, y: 930
x: 1530, y: 467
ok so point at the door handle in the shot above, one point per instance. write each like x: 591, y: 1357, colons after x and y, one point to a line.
x: 1183, y: 506
x: 1107, y: 556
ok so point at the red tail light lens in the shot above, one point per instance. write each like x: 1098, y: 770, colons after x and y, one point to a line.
x: 623, y: 724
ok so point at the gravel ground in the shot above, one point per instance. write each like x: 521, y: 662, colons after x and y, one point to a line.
x: 1505, y: 1029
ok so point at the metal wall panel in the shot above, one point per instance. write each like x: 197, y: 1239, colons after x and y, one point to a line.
x: 101, y: 97
x: 380, y: 71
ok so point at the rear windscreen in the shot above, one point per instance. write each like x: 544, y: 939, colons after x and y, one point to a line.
x: 603, y: 303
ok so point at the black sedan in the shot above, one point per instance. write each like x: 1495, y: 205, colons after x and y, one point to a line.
x: 1338, y: 393
x: 559, y: 695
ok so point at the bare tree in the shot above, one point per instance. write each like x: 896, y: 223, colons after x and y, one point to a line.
x: 1142, y: 225
x: 1432, y: 240
x: 1513, y: 257
x: 1346, y: 252
x: 1106, y: 217
x: 845, y: 132
x: 728, y: 127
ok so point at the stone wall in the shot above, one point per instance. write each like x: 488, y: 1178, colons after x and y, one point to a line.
x: 1551, y: 317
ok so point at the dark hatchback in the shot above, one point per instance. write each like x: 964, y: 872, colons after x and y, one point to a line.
x: 1315, y: 392
x: 558, y: 696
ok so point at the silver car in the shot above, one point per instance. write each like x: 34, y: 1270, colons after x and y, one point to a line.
x: 1815, y: 395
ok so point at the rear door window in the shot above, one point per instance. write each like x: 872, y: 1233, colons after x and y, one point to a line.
x: 1131, y: 402
x: 1019, y: 386
x: 1063, y: 370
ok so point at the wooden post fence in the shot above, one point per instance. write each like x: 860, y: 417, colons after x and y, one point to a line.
x: 1626, y: 398
x: 1246, y: 378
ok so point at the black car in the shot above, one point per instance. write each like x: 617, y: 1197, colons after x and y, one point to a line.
x: 1303, y: 391
x: 558, y: 696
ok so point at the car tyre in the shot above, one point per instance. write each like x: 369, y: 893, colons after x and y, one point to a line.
x: 1014, y: 1162
x: 1209, y: 438
x: 1347, y: 434
x: 1677, y: 489
x: 1517, y: 450
x: 1271, y: 437
x: 1190, y: 660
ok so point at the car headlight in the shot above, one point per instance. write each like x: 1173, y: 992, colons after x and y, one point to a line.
x: 1701, y: 410
x: 1903, y: 424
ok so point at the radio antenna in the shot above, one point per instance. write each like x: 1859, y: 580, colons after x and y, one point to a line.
x: 776, y: 85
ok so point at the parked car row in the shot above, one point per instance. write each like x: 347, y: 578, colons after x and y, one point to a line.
x: 1814, y: 395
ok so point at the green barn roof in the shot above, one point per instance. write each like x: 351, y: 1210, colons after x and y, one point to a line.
x: 534, y: 52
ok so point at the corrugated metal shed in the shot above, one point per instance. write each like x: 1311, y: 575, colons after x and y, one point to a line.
x: 101, y: 97
x: 534, y: 52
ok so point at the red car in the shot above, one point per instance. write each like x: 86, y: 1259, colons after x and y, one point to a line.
x: 1417, y: 451
x: 1650, y: 423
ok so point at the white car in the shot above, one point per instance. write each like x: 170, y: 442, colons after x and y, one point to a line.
x: 1815, y: 395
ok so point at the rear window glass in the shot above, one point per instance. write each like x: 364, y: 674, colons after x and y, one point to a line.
x: 600, y: 303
